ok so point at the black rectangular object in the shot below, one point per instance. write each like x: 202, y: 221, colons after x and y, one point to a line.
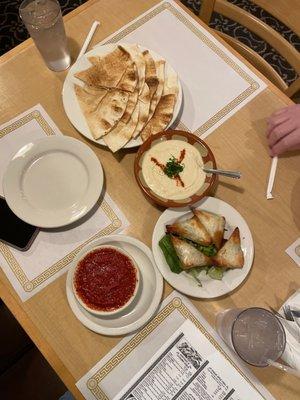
x: 13, y: 230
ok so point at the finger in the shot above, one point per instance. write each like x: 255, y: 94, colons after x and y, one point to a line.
x: 289, y: 142
x: 275, y: 121
x: 279, y: 112
x: 280, y: 131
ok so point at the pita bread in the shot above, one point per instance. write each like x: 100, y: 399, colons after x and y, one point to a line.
x: 94, y: 91
x: 160, y: 69
x: 129, y: 80
x: 150, y: 73
x: 125, y: 94
x: 188, y: 255
x: 144, y: 106
x: 231, y: 254
x: 131, y: 105
x: 108, y: 112
x: 171, y: 84
x: 137, y: 57
x: 94, y: 60
x: 161, y: 117
x: 106, y: 71
x: 191, y: 229
x: 89, y: 101
x: 121, y: 135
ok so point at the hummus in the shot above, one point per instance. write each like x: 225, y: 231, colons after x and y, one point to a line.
x: 179, y: 187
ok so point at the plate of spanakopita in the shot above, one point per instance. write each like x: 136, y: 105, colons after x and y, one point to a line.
x: 117, y: 95
x: 206, y: 251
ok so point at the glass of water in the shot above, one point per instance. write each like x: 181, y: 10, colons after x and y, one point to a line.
x: 254, y: 333
x: 43, y: 20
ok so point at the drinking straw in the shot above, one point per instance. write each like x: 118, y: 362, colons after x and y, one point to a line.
x: 271, y: 178
x: 88, y: 38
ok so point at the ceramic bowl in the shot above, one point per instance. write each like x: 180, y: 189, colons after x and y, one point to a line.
x: 119, y: 309
x: 208, y: 161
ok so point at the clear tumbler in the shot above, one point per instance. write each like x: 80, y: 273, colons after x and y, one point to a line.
x: 43, y: 20
x: 254, y: 333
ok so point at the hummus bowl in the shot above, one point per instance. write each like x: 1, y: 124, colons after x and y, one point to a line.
x: 169, y: 169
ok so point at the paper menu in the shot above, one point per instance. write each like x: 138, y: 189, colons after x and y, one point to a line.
x: 111, y: 374
x: 187, y: 367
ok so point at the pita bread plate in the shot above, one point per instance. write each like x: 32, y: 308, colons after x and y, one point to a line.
x: 74, y: 110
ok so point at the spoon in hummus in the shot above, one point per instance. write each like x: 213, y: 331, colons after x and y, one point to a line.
x: 229, y: 174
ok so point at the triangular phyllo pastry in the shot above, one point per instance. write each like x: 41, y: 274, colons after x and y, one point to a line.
x: 214, y: 224
x: 231, y: 254
x: 188, y: 255
x: 191, y: 229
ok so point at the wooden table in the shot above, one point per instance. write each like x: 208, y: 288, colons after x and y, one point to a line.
x: 238, y: 144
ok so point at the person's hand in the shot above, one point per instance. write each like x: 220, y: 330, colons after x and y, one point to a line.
x: 283, y: 130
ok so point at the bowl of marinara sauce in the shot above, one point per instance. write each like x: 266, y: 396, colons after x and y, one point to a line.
x: 106, y: 280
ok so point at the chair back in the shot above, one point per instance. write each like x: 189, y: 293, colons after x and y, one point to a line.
x: 254, y: 24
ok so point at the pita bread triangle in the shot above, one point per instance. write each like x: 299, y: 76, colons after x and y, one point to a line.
x: 129, y: 80
x: 171, y: 84
x: 139, y: 61
x: 106, y: 71
x: 89, y: 101
x: 116, y: 139
x: 160, y: 69
x: 144, y: 106
x: 122, y: 132
x: 150, y: 73
x: 103, y: 118
x: 161, y: 117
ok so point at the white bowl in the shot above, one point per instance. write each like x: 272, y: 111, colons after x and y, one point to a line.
x: 103, y: 312
x: 146, y: 302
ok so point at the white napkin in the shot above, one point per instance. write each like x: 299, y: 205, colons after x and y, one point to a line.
x: 201, y: 65
x: 291, y: 353
x: 52, y: 250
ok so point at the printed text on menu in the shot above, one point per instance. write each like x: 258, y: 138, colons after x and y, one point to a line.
x: 188, y: 367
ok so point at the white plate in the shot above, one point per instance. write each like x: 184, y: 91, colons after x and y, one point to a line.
x: 53, y: 181
x: 211, y: 288
x: 71, y: 104
x: 144, y: 305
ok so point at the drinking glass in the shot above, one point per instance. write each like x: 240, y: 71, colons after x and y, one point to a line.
x: 254, y: 333
x: 43, y: 20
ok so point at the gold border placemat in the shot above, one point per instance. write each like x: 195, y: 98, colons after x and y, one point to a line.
x: 253, y: 85
x: 115, y: 222
x: 175, y: 304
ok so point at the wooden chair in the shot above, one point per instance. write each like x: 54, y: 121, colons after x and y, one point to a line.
x: 268, y: 34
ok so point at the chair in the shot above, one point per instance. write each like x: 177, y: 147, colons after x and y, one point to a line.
x: 261, y: 29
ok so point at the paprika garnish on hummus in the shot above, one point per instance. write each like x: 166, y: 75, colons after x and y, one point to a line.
x: 173, y: 169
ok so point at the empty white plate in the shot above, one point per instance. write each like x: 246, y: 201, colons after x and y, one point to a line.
x: 147, y: 299
x: 53, y: 181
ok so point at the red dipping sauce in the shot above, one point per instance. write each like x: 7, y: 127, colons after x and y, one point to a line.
x: 105, y: 279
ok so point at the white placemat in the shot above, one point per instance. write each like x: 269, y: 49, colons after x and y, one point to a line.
x: 111, y: 374
x: 52, y: 250
x: 215, y: 83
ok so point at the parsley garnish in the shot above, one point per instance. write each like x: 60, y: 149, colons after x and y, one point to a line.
x: 173, y: 167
